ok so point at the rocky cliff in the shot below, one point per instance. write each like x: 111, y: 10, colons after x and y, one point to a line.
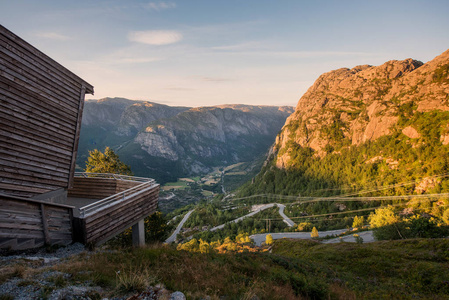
x: 383, y: 129
x: 352, y: 106
x: 205, y: 137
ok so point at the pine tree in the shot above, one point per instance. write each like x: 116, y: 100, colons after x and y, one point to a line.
x: 107, y: 162
x: 314, y: 233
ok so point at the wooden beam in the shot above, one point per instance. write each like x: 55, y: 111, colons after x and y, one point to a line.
x: 45, y: 224
x: 77, y: 136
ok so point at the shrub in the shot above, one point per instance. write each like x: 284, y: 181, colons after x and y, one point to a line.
x: 383, y: 217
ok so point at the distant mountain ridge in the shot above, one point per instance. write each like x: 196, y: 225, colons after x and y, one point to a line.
x: 167, y: 142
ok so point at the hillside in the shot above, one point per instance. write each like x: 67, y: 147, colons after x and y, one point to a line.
x: 166, y: 142
x: 363, y: 128
x: 294, y: 270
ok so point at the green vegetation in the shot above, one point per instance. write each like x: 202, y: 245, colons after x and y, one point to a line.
x: 382, y: 270
x: 354, y: 168
x: 441, y: 74
x: 251, y: 225
x: 156, y: 230
x: 107, y: 162
x: 390, y: 223
x: 295, y: 269
x: 214, y: 213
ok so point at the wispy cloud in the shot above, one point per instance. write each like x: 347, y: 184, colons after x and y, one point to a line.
x: 155, y: 37
x: 236, y: 47
x: 53, y: 36
x: 216, y: 79
x: 158, y: 6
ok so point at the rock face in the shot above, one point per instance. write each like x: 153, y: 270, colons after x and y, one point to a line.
x: 204, y: 137
x: 157, y: 139
x: 352, y: 106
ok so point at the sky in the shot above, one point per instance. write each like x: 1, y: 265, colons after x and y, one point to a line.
x: 211, y: 52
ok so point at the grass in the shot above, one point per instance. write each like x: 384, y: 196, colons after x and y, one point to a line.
x: 296, y: 269
x: 236, y: 276
x: 387, y: 269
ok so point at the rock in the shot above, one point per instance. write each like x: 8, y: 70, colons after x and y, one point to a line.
x: 426, y: 184
x: 177, y: 296
x: 206, y: 137
x: 411, y: 132
x: 363, y: 104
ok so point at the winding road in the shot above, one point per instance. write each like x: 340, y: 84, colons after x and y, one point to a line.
x: 287, y: 220
x: 245, y: 216
x: 367, y: 236
x: 260, y: 238
x: 172, y: 238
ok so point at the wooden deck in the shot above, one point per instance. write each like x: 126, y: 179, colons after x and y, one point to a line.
x: 97, y: 209
x: 124, y: 202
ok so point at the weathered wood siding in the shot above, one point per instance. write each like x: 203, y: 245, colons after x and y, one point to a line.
x: 26, y: 223
x: 106, y: 223
x: 41, y: 105
x: 99, y: 188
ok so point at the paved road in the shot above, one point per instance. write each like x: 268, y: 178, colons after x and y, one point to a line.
x: 172, y: 238
x: 245, y: 216
x: 287, y: 220
x: 367, y: 237
x: 259, y: 238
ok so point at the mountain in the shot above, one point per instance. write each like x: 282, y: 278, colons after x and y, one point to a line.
x: 368, y: 126
x: 195, y: 141
x: 115, y: 121
x: 167, y: 142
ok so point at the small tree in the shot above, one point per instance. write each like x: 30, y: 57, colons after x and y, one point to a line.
x: 358, y: 222
x: 155, y: 227
x: 383, y: 216
x: 314, y: 234
x: 107, y: 162
x: 269, y: 239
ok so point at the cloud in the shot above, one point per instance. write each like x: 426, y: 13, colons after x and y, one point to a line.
x: 241, y: 46
x: 216, y: 79
x: 158, y: 6
x: 155, y: 37
x: 53, y: 36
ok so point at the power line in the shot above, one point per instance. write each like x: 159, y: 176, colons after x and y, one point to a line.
x: 289, y: 197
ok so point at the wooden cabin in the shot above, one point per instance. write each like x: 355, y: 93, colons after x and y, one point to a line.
x: 41, y: 106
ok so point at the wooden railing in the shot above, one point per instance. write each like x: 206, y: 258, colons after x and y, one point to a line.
x: 112, y: 176
x: 26, y: 223
x: 134, y: 199
x: 96, y: 207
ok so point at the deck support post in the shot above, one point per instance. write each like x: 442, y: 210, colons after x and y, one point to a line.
x: 138, y: 233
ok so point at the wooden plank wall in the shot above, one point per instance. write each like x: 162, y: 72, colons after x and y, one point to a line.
x: 26, y: 224
x: 99, y: 188
x: 92, y: 188
x: 40, y: 113
x: 101, y: 226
